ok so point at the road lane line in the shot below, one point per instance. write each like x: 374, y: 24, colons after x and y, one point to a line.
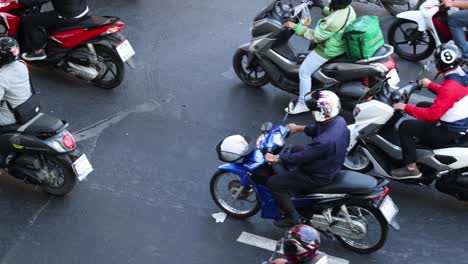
x: 270, y: 244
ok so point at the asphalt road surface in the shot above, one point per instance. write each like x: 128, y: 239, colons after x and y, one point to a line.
x: 152, y: 145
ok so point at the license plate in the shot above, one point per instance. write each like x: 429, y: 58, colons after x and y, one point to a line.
x: 388, y: 209
x: 125, y: 50
x: 82, y: 167
x: 394, y: 79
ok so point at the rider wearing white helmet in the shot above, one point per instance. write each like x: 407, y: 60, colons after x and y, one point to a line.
x: 315, y: 164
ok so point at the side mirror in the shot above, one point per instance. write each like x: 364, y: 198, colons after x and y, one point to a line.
x: 266, y: 127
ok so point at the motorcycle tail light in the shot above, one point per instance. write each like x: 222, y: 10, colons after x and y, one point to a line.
x: 68, y: 141
x: 383, y: 194
x: 114, y: 29
x: 390, y: 64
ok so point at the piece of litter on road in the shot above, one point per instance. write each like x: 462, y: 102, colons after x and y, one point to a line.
x: 270, y: 244
x: 220, y: 217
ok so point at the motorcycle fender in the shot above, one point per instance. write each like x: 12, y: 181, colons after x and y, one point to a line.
x: 113, y: 41
x: 250, y: 56
x: 237, y: 169
x: 395, y: 224
x: 415, y: 16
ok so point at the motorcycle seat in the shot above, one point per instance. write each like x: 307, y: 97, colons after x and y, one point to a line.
x: 44, y: 124
x: 90, y: 22
x: 348, y: 182
x: 9, y: 128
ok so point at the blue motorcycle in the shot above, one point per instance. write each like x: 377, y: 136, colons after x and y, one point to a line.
x: 355, y: 208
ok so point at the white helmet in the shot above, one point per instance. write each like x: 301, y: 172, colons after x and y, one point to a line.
x: 232, y: 148
x: 325, y: 105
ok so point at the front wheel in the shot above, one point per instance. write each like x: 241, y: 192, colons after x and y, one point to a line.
x: 110, y: 66
x: 223, y: 188
x: 254, y: 76
x: 376, y: 228
x: 60, y: 176
x: 401, y: 6
x: 410, y: 43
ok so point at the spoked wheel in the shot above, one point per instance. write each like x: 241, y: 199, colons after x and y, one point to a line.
x: 376, y: 228
x: 111, y: 68
x: 224, y: 186
x: 60, y: 176
x: 358, y: 161
x: 410, y: 43
x: 254, y: 75
x: 401, y: 6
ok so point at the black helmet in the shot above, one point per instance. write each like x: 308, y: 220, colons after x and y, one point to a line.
x: 301, y: 244
x: 9, y: 50
x: 447, y: 56
x: 339, y: 4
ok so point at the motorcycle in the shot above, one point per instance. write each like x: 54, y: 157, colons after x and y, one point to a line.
x: 320, y: 258
x: 416, y: 34
x: 93, y: 50
x: 43, y: 153
x: 347, y: 209
x: 269, y: 57
x: 375, y: 144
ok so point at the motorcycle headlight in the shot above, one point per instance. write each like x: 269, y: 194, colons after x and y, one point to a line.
x: 260, y: 141
x: 278, y: 139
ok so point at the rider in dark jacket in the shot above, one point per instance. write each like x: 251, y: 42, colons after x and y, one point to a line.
x: 35, y: 27
x: 312, y: 165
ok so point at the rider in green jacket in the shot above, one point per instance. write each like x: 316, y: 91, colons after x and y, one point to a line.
x: 328, y: 37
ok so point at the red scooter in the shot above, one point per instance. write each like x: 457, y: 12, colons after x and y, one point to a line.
x: 93, y: 49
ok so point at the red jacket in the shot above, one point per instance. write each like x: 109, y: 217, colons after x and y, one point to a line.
x: 449, y: 93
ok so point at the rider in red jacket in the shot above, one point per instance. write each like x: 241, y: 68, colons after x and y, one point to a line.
x: 445, y: 120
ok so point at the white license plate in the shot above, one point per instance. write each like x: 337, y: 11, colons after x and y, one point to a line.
x: 125, y: 50
x: 82, y: 167
x: 388, y: 209
x: 394, y: 79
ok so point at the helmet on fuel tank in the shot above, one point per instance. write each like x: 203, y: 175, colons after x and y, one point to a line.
x: 301, y: 244
x: 325, y: 105
x: 339, y: 4
x: 9, y: 50
x: 447, y: 56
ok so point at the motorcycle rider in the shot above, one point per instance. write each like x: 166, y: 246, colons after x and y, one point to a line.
x: 301, y: 246
x: 328, y: 37
x: 34, y: 37
x: 445, y: 120
x: 15, y: 88
x: 312, y: 165
x: 456, y: 22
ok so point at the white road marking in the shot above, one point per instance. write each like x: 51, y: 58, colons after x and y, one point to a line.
x: 270, y: 244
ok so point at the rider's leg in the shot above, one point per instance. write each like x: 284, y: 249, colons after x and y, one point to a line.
x: 33, y: 36
x: 308, y: 67
x: 456, y: 23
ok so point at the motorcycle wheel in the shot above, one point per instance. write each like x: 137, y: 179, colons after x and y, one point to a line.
x: 225, y: 200
x: 395, y: 9
x: 358, y: 212
x: 114, y: 73
x: 357, y: 161
x: 61, y: 177
x: 254, y: 78
x: 405, y: 33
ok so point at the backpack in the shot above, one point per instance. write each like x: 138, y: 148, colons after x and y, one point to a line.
x: 363, y: 37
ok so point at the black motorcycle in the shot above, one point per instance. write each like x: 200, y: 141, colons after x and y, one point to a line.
x: 269, y: 57
x: 43, y: 153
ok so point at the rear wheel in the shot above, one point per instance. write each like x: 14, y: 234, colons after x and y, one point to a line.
x: 223, y: 187
x: 357, y: 160
x: 376, y: 228
x: 254, y: 76
x: 111, y: 68
x: 410, y: 43
x: 60, y: 176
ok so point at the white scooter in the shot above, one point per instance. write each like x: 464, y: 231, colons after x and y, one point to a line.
x: 375, y: 145
x: 416, y: 34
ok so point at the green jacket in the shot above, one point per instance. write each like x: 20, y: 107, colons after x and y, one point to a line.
x: 328, y: 34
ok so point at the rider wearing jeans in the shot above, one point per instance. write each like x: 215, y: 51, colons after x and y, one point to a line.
x: 312, y: 165
x: 442, y: 122
x: 328, y: 37
x: 457, y: 22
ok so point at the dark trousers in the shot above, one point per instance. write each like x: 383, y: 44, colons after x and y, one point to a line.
x: 35, y: 28
x: 285, y: 183
x: 427, y: 132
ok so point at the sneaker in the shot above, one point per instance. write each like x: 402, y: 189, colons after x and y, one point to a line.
x: 299, y: 108
x: 34, y: 56
x: 405, y: 173
x: 287, y: 222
